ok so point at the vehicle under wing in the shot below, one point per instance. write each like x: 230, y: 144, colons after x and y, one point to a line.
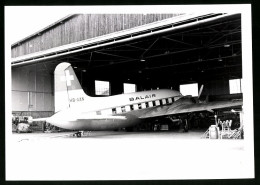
x: 187, y: 106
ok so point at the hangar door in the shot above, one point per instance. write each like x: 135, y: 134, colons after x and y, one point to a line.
x: 32, y: 89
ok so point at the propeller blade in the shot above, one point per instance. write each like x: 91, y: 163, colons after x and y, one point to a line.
x: 200, y: 91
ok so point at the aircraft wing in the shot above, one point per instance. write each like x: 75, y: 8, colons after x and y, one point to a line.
x: 187, y: 106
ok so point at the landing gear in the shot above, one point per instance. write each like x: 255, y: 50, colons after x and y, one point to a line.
x: 78, y: 134
x: 81, y: 133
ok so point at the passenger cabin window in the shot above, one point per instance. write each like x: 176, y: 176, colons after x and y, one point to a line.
x: 118, y: 110
x: 127, y: 108
x: 135, y: 107
x: 163, y: 101
x: 114, y: 111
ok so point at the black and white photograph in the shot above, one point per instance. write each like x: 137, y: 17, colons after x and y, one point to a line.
x: 151, y: 92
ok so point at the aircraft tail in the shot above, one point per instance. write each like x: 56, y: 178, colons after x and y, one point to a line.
x: 68, y: 91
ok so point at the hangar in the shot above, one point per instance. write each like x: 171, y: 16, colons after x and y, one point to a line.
x: 151, y: 51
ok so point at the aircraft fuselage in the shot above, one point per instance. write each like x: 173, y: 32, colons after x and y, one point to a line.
x: 101, y: 113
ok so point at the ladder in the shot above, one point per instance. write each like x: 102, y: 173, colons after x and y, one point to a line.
x: 236, y: 133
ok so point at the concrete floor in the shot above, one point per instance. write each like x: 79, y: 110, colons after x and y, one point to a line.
x: 177, y: 134
x: 108, y: 155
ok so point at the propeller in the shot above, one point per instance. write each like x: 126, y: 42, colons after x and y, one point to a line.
x: 200, y: 91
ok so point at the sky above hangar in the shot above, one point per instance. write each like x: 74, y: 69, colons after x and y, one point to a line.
x: 24, y: 21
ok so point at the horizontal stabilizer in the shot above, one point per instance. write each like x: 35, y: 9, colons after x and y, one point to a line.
x: 38, y: 119
x: 102, y: 117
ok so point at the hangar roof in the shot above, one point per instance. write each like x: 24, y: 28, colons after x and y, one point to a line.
x: 187, y: 48
x: 43, y: 30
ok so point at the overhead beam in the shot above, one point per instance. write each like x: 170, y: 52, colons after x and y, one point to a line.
x: 109, y: 54
x: 142, y: 55
x: 174, y: 40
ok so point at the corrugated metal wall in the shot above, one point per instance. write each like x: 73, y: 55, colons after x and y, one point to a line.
x: 82, y: 27
x: 32, y: 89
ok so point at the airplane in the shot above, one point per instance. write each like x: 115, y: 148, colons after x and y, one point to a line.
x: 75, y: 110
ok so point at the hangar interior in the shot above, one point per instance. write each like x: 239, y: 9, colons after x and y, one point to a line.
x: 152, y: 51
